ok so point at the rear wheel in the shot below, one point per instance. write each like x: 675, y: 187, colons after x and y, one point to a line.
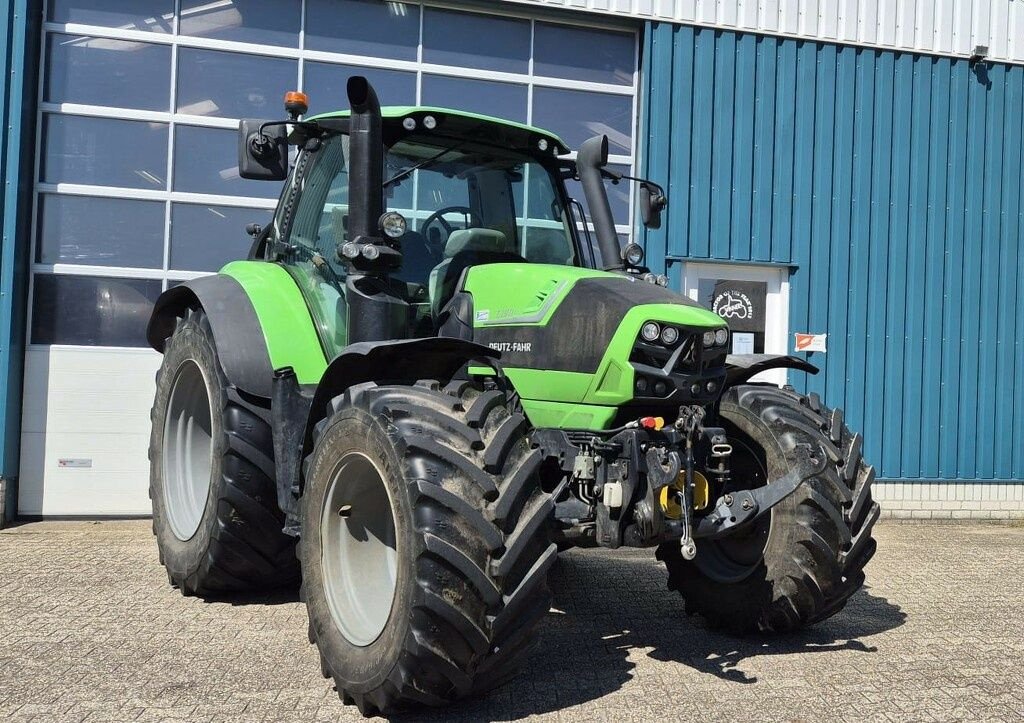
x: 803, y: 561
x: 425, y: 543
x: 215, y: 513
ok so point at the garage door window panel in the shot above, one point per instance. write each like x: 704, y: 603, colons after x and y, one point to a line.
x: 232, y: 85
x: 100, y: 231
x: 95, y: 71
x: 155, y: 16
x: 205, y: 237
x: 243, y: 21
x: 579, y: 115
x: 92, y: 310
x: 77, y: 149
x: 327, y: 83
x: 486, y: 42
x: 206, y: 161
x: 610, y: 56
x: 503, y: 100
x: 363, y: 27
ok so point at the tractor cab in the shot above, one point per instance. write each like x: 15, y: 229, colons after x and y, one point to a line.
x: 451, y: 191
x: 450, y: 202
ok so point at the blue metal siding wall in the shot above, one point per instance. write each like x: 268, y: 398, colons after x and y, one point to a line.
x: 19, y: 32
x: 893, y: 184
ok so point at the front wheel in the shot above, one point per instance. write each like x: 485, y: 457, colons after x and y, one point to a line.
x: 215, y: 512
x: 425, y: 543
x: 800, y: 563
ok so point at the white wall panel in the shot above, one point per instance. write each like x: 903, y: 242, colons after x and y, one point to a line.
x: 944, y: 27
x: 86, y: 404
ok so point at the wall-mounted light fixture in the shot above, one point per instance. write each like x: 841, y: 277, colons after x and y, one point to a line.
x: 979, y: 53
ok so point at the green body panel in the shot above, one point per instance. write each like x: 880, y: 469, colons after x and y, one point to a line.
x: 284, y: 317
x: 521, y: 294
x: 516, y: 295
x: 556, y: 415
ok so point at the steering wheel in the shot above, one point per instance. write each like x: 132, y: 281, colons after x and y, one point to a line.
x: 438, y: 218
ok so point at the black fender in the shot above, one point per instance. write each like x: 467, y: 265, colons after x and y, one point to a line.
x: 739, y: 368
x: 403, y: 361
x: 237, y: 332
x: 296, y: 411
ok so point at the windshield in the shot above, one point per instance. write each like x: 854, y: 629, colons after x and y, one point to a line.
x: 500, y: 205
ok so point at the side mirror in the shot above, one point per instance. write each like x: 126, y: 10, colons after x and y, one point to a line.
x: 262, y: 155
x: 652, y: 202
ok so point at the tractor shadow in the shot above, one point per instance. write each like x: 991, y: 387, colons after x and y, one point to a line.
x: 287, y: 595
x: 609, y: 609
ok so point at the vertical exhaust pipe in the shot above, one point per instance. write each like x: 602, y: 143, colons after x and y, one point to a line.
x: 375, y: 313
x: 591, y: 158
x: 366, y: 160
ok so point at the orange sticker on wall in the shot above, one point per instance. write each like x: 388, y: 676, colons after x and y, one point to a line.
x: 811, y: 342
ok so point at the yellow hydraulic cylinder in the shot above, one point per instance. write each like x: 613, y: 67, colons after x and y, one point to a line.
x: 669, y: 497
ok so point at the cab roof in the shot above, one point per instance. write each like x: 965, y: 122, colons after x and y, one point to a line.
x: 462, y: 124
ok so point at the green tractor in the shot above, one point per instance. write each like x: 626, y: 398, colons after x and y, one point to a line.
x: 414, y: 411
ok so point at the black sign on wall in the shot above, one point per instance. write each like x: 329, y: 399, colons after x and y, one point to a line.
x: 741, y: 303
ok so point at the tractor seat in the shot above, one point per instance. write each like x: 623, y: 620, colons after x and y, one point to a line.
x: 465, y: 248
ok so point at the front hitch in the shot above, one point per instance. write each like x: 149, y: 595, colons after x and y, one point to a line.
x: 738, y: 509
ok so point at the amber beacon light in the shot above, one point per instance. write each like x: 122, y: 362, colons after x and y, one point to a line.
x: 296, y: 103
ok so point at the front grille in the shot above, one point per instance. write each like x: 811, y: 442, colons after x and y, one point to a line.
x: 671, y: 373
x: 689, y: 360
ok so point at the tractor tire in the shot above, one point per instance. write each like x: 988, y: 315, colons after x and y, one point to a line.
x: 425, y: 543
x: 801, y: 562
x: 215, y: 512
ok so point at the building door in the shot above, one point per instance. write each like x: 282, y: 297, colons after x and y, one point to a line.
x: 754, y: 300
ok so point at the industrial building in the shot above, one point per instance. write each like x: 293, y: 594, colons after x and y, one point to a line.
x: 847, y: 170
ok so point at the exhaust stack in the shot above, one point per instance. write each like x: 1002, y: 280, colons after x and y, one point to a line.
x: 366, y: 160
x: 591, y: 158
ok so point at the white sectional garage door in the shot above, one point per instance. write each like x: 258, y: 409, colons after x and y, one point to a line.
x: 137, y: 186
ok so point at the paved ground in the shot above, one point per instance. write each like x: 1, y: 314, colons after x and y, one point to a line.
x: 89, y: 630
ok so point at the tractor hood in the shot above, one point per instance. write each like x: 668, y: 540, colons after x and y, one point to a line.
x: 573, y: 335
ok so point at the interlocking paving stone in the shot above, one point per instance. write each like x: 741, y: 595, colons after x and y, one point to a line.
x: 91, y: 631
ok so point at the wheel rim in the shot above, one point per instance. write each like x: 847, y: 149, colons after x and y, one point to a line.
x: 359, y: 556
x: 734, y: 558
x: 187, y: 453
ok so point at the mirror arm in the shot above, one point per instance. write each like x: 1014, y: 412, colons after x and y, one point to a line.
x: 262, y: 139
x: 651, y: 185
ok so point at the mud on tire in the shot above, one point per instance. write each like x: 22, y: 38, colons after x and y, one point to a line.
x: 811, y: 554
x: 471, y: 538
x: 237, y: 544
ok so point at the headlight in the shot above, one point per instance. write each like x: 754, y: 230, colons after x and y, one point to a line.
x: 662, y: 280
x: 650, y: 331
x: 393, y: 224
x: 429, y: 122
x: 650, y: 278
x: 721, y: 337
x: 633, y: 254
x: 669, y: 335
x: 709, y: 338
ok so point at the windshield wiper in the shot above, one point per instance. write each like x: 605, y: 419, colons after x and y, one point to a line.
x: 409, y: 171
